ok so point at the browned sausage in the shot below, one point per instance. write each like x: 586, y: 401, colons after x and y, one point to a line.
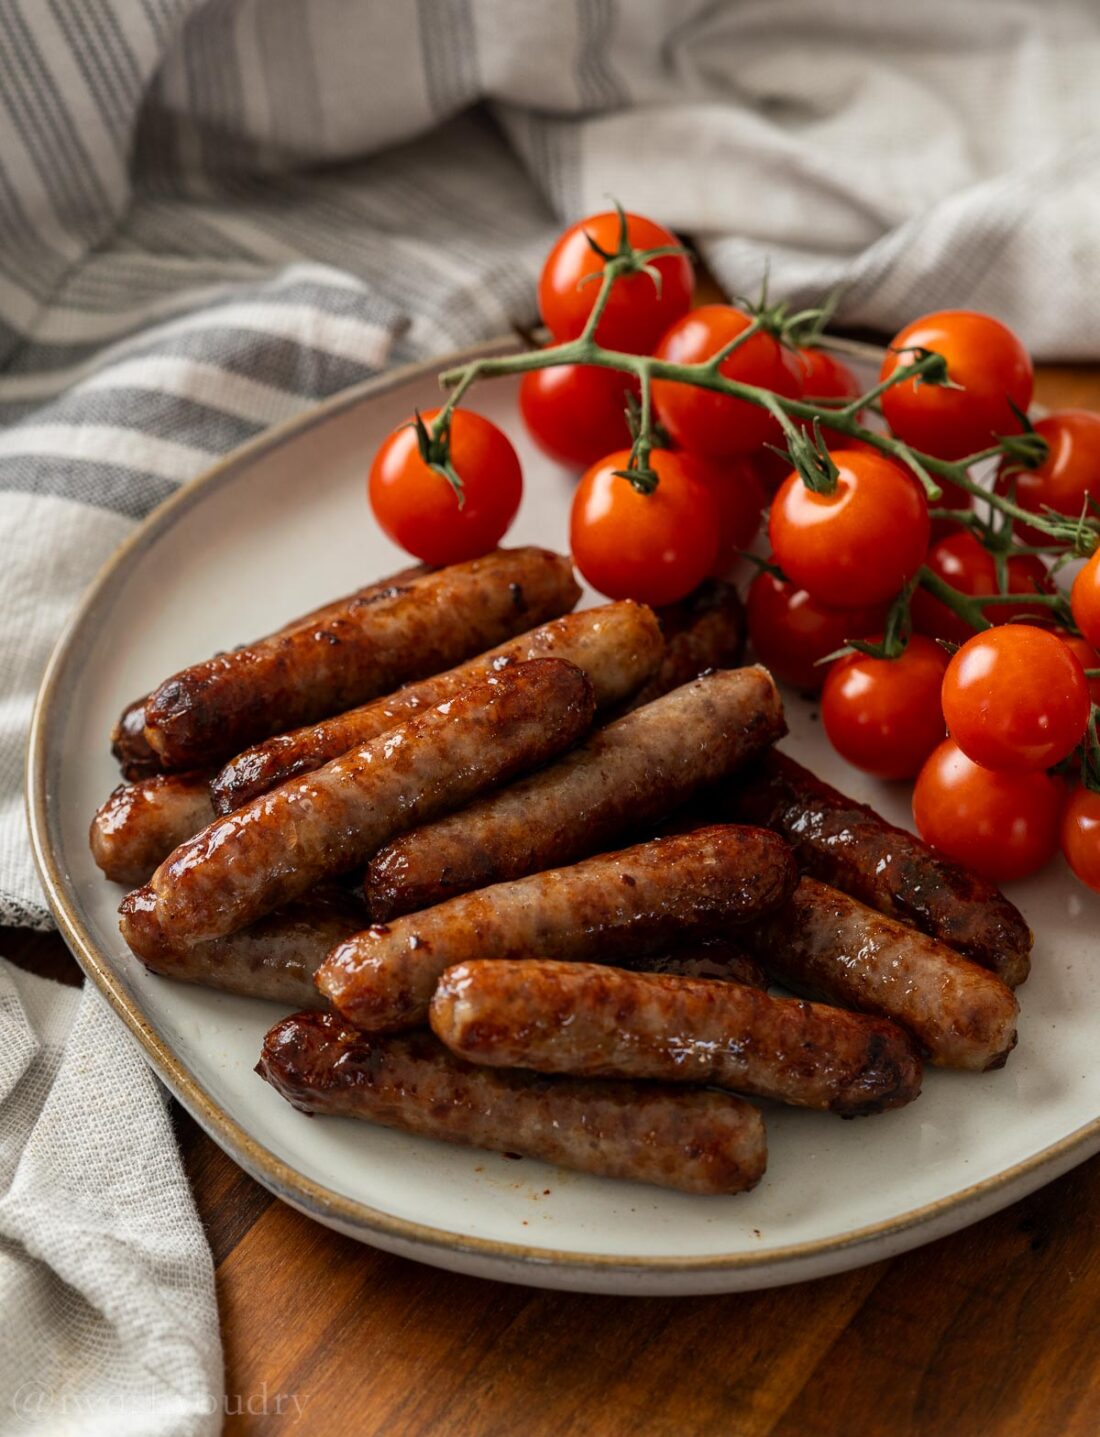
x: 639, y: 900
x: 633, y: 771
x: 366, y: 647
x: 704, y: 631
x: 275, y: 958
x: 696, y: 1142
x: 142, y: 822
x: 595, y: 1022
x: 325, y: 823
x: 848, y: 845
x: 710, y: 958
x: 825, y: 944
x: 617, y: 645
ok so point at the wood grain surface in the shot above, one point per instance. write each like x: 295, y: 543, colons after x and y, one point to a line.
x: 990, y: 1333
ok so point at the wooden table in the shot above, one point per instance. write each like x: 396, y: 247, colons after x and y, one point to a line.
x: 993, y: 1331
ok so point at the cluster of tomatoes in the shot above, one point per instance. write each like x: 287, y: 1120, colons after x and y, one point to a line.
x: 845, y: 559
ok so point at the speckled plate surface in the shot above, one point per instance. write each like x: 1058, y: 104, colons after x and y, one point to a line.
x: 280, y: 526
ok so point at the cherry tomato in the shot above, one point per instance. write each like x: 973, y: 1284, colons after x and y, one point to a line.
x: 652, y: 547
x: 738, y: 500
x: 961, y: 560
x: 984, y: 358
x: 861, y: 543
x: 1084, y: 600
x: 884, y: 715
x: 826, y: 377
x: 1081, y: 835
x: 716, y: 424
x: 576, y: 413
x: 1016, y: 698
x: 791, y: 631
x: 1002, y: 826
x: 417, y: 507
x: 638, y: 311
x: 1087, y: 657
x: 1064, y: 479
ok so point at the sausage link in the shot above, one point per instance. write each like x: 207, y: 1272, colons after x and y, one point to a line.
x: 704, y: 631
x: 848, y: 845
x: 325, y: 823
x: 825, y: 944
x: 617, y: 645
x: 142, y: 822
x: 637, y: 901
x: 718, y: 958
x: 274, y: 958
x: 696, y: 1142
x: 633, y: 771
x: 595, y: 1022
x: 367, y: 647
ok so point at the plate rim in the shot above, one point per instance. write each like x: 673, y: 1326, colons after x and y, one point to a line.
x: 248, y: 1152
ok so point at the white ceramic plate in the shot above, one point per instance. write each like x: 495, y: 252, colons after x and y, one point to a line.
x: 281, y: 526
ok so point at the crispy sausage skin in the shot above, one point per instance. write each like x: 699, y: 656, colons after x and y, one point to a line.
x: 366, y: 647
x: 696, y: 1142
x: 849, y: 846
x: 704, y: 631
x: 596, y: 1022
x: 635, y: 770
x: 637, y: 901
x: 825, y: 944
x: 275, y: 958
x: 719, y: 958
x: 142, y: 822
x: 618, y: 646
x: 285, y: 842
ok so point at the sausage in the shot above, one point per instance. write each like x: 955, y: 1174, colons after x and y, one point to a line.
x: 848, y: 845
x: 696, y: 1142
x: 626, y: 904
x: 718, y: 958
x: 142, y: 822
x: 325, y: 823
x: 365, y: 648
x: 617, y: 645
x: 704, y: 631
x: 275, y: 958
x: 137, y: 759
x: 635, y: 770
x: 827, y: 945
x: 595, y: 1022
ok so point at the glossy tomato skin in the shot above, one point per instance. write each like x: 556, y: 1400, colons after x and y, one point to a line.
x: 962, y: 562
x: 739, y: 503
x: 651, y: 547
x: 717, y: 425
x: 861, y: 543
x: 418, y: 509
x: 1016, y: 698
x: 576, y: 413
x: 984, y: 358
x: 1064, y: 479
x: 1087, y: 657
x: 1002, y: 826
x: 637, y: 313
x: 884, y: 715
x: 1085, y: 600
x: 791, y: 631
x: 824, y: 376
x: 1081, y: 835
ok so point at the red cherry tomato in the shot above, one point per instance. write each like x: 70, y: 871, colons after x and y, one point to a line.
x: 791, y: 631
x: 1064, y: 479
x: 638, y: 311
x: 738, y: 500
x: 576, y: 413
x: 1081, y: 835
x: 884, y: 715
x: 1084, y: 600
x: 826, y: 377
x: 1000, y: 825
x: 716, y: 424
x: 1087, y: 657
x: 417, y: 507
x: 1016, y: 698
x: 984, y: 358
x: 652, y: 547
x: 959, y: 559
x: 861, y: 543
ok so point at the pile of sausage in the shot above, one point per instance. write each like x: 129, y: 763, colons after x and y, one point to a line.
x: 529, y: 873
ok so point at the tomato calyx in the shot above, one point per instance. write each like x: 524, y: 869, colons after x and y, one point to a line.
x: 624, y: 259
x: 434, y: 443
x: 896, y: 632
